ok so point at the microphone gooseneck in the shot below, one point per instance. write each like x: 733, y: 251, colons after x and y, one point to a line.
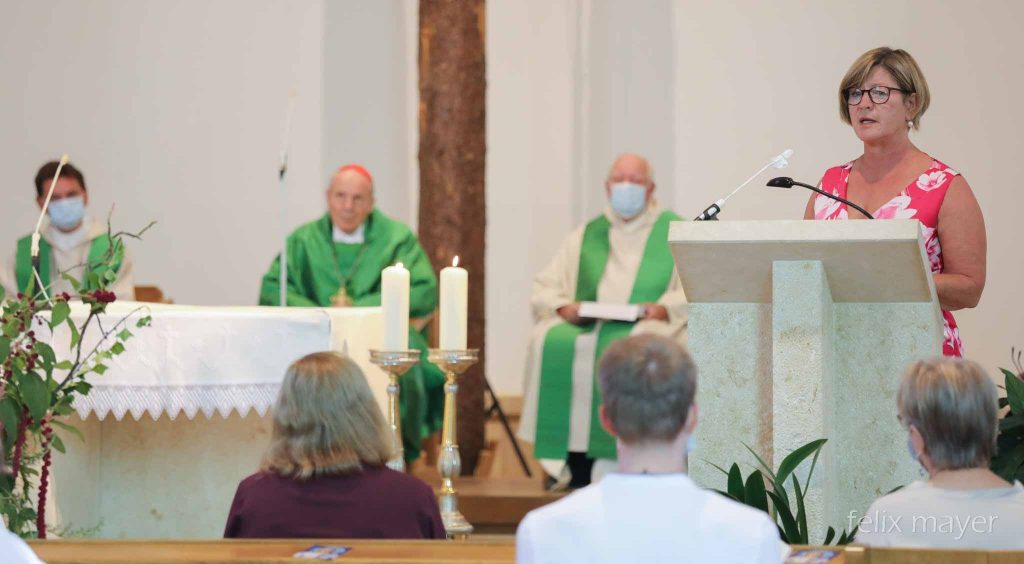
x: 711, y: 212
x: 787, y: 182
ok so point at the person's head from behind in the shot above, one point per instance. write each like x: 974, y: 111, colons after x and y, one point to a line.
x: 648, y: 384
x: 326, y: 420
x: 350, y: 197
x: 67, y: 205
x: 949, y: 408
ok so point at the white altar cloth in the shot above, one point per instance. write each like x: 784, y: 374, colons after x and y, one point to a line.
x: 161, y: 477
x: 210, y: 360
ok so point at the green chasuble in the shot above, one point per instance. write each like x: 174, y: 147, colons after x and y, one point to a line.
x: 555, y: 398
x: 316, y: 265
x: 98, y: 251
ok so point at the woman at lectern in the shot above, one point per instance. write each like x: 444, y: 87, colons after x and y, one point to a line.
x: 883, y: 96
x: 324, y: 475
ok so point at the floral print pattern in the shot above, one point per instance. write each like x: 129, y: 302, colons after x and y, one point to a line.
x: 920, y: 200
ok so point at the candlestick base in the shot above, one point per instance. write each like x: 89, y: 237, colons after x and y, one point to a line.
x: 449, y: 464
x: 395, y: 363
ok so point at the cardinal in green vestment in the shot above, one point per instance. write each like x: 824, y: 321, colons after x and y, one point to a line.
x: 336, y: 261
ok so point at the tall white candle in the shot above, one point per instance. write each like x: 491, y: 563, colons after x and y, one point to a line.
x: 454, y: 306
x: 395, y: 301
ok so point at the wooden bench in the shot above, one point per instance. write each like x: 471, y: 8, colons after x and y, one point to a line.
x: 484, y: 550
x: 481, y: 549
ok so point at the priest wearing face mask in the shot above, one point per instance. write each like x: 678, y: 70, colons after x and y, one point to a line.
x: 70, y: 240
x: 336, y: 261
x: 620, y: 257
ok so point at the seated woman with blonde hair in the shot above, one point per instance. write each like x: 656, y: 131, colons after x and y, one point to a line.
x: 949, y: 408
x: 324, y: 475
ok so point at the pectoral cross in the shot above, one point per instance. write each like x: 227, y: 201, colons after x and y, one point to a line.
x: 341, y: 298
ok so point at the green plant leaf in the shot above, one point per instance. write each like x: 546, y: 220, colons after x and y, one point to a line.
x: 35, y: 394
x: 789, y: 527
x: 9, y: 416
x: 47, y: 355
x: 1014, y: 392
x: 83, y: 387
x: 793, y: 459
x: 73, y: 281
x: 69, y: 428
x: 719, y: 468
x: 1011, y: 422
x: 810, y: 473
x: 801, y: 512
x: 764, y: 466
x: 99, y: 368
x: 124, y: 335
x: 735, y: 487
x: 829, y: 535
x: 58, y: 444
x: 63, y: 365
x: 117, y: 348
x: 754, y: 493
x: 780, y: 491
x: 10, y: 329
x: 5, y: 346
x: 61, y: 311
x: 144, y: 321
x: 76, y: 336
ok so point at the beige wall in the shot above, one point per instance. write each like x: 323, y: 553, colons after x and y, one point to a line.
x: 174, y: 111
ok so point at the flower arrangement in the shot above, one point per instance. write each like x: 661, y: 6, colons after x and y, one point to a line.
x: 38, y: 389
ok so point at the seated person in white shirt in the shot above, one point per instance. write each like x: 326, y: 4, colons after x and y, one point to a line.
x: 649, y: 510
x: 949, y: 408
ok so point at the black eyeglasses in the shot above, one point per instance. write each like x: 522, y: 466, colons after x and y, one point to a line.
x: 878, y: 94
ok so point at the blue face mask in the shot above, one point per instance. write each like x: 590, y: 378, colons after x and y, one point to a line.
x: 67, y: 213
x: 910, y: 449
x: 691, y: 445
x: 628, y: 199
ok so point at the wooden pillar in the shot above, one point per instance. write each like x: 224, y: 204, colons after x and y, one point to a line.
x: 452, y: 210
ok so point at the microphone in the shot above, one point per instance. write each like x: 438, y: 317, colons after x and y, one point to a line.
x: 787, y: 182
x: 34, y: 249
x: 282, y: 169
x: 711, y: 212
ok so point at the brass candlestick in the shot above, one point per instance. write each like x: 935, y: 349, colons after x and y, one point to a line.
x: 395, y: 363
x: 453, y: 363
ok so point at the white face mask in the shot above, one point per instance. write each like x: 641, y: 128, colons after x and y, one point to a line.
x: 628, y: 199
x: 66, y: 213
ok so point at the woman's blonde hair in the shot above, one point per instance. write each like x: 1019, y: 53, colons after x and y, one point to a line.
x: 954, y: 405
x: 904, y: 71
x: 326, y: 420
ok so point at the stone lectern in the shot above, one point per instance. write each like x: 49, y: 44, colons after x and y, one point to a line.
x: 801, y: 330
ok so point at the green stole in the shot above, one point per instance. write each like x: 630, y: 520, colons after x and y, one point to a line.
x: 23, y: 261
x: 555, y: 398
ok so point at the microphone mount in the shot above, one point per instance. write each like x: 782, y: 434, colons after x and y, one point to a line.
x: 787, y: 182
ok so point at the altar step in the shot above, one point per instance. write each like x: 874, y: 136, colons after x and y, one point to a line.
x: 497, y: 505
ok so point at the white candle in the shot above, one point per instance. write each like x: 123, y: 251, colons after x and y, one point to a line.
x: 395, y: 301
x: 454, y: 306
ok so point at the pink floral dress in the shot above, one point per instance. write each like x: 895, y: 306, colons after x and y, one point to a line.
x: 920, y: 200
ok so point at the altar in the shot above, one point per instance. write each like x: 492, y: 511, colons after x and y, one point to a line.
x: 183, y: 415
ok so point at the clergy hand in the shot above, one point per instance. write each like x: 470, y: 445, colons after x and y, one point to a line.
x: 571, y: 313
x: 655, y: 311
